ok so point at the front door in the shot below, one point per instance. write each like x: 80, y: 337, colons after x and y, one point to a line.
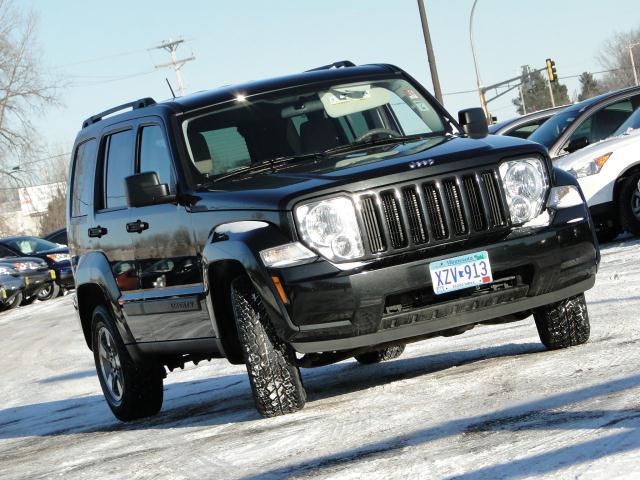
x: 169, y: 272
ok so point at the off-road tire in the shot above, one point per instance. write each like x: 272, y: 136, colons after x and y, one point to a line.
x: 275, y: 378
x: 563, y: 324
x: 53, y: 292
x: 378, y: 356
x: 142, y: 391
x: 628, y: 220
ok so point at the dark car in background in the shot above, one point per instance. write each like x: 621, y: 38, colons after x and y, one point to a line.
x: 56, y: 257
x: 524, y: 125
x: 587, y: 122
x: 35, y: 273
x: 12, y: 286
x: 59, y: 237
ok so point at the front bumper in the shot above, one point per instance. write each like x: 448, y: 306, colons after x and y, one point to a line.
x: 36, y: 279
x: 345, y: 310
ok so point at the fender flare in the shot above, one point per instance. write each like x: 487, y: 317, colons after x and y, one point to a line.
x: 241, y: 242
x: 93, y: 270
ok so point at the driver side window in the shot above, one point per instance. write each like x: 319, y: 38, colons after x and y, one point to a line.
x: 602, y: 123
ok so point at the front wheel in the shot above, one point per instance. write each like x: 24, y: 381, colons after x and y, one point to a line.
x: 131, y: 390
x: 14, y: 302
x: 563, y: 324
x: 275, y: 378
x: 629, y: 204
x: 48, y: 292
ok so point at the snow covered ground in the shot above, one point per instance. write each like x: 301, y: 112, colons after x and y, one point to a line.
x: 489, y: 404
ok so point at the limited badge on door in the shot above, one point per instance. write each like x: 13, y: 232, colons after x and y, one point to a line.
x: 460, y: 272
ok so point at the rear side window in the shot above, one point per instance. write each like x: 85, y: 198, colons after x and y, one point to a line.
x: 83, y: 175
x: 118, y: 164
x: 154, y: 154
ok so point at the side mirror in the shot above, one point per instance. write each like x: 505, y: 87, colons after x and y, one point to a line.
x: 145, y: 189
x: 473, y: 122
x: 577, y: 144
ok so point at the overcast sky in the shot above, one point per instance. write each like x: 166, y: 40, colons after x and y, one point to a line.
x: 102, y: 47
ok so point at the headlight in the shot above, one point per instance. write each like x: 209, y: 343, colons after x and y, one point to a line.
x: 525, y: 184
x: 5, y: 271
x: 330, y: 227
x: 590, y: 167
x: 59, y: 257
x: 23, y: 266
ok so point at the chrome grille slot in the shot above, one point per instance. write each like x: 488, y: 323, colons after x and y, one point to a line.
x: 493, y: 193
x: 435, y: 212
x: 416, y: 216
x: 391, y: 211
x: 475, y: 202
x: 454, y: 199
x: 372, y: 225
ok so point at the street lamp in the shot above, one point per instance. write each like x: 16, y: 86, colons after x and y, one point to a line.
x: 483, y: 102
x: 633, y: 63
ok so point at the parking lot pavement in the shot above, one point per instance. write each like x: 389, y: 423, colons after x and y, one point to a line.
x: 491, y: 403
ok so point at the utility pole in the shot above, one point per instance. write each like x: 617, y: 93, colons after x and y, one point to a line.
x: 481, y: 89
x: 171, y: 46
x: 430, y: 55
x: 553, y: 100
x: 633, y: 63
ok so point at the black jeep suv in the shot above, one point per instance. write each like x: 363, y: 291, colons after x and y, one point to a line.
x: 299, y: 221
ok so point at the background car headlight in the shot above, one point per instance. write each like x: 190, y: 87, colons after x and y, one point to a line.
x: 59, y: 257
x: 5, y: 270
x: 330, y: 227
x: 525, y: 184
x: 25, y: 266
x: 590, y: 167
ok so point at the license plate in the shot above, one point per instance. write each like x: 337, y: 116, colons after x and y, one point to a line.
x: 26, y: 280
x: 3, y: 294
x: 52, y: 274
x: 460, y: 272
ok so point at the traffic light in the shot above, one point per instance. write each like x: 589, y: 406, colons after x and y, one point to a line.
x: 551, y: 70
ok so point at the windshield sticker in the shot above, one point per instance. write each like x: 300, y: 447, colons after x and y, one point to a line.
x: 421, y: 106
x: 410, y: 94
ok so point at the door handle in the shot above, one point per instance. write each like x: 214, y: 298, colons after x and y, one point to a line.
x: 137, y: 227
x: 97, y: 232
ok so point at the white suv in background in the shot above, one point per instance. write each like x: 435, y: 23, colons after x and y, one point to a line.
x: 609, y: 173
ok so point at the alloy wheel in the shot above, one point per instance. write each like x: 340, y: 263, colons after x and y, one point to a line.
x: 110, y: 366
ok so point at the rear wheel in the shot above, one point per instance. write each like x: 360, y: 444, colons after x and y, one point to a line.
x: 382, y: 355
x: 131, y: 390
x: 629, y: 204
x: 52, y: 290
x: 275, y: 378
x: 563, y: 324
x: 28, y: 301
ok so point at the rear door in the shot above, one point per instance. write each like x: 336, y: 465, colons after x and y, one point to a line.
x: 170, y: 276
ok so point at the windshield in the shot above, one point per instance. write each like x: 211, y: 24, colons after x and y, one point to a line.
x: 306, y: 120
x: 551, y: 130
x: 30, y: 245
x: 631, y: 123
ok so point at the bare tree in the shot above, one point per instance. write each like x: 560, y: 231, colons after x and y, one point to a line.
x: 614, y: 56
x: 25, y: 90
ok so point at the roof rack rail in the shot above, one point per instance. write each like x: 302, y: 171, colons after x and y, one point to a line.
x: 340, y: 64
x: 140, y: 103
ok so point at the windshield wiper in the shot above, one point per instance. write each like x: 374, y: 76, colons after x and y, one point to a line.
x: 382, y: 141
x: 270, y: 164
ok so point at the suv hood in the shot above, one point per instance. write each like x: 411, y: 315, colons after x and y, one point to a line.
x: 375, y: 166
x: 612, y: 144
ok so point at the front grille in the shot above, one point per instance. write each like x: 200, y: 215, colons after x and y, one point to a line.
x: 432, y: 212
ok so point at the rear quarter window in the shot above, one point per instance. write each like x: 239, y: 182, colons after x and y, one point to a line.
x: 84, y: 168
